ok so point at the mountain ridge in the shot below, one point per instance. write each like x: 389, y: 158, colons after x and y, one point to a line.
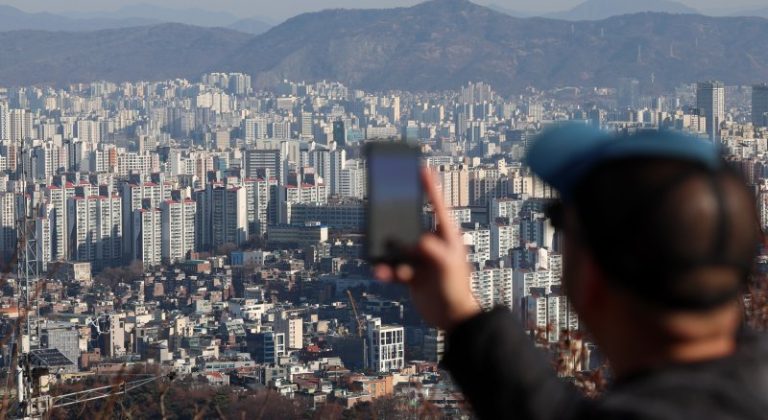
x: 12, y: 18
x: 604, y: 9
x: 156, y: 52
x: 440, y: 44
x: 443, y: 43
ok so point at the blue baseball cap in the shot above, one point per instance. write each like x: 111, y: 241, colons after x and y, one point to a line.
x: 563, y: 155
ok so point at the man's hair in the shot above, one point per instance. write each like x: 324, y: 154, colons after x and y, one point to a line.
x: 655, y: 225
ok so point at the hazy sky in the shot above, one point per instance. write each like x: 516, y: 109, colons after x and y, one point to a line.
x: 285, y: 8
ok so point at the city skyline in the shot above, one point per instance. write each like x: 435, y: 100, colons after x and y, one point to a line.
x: 190, y: 205
x: 236, y: 215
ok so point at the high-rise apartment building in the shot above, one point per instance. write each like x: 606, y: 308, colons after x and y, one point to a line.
x: 295, y: 194
x: 338, y: 162
x: 267, y: 163
x: 479, y: 239
x: 222, y: 216
x: 254, y: 129
x: 4, y: 122
x: 147, y: 237
x: 57, y: 197
x: 486, y: 184
x: 89, y: 131
x: 136, y: 196
x: 385, y: 346
x: 760, y: 105
x: 493, y: 287
x: 178, y: 229
x: 20, y: 123
x: 339, y: 133
x: 239, y: 84
x: 293, y: 329
x: 353, y: 182
x: 549, y: 312
x: 710, y: 100
x: 507, y: 208
x: 628, y: 93
x: 8, y: 235
x: 44, y: 240
x: 320, y: 159
x: 434, y: 345
x: 261, y: 197
x: 454, y: 184
x: 504, y: 236
x: 95, y: 226
x: 307, y: 125
x: 279, y: 129
x: 266, y: 347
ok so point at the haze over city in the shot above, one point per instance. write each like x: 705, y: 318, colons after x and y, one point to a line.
x: 279, y: 10
x: 186, y: 197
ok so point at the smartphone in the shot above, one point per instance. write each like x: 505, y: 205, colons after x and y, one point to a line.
x: 395, y: 201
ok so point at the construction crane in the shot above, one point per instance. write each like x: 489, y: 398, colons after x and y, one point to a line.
x: 358, y: 320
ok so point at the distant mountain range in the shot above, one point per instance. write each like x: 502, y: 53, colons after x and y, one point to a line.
x: 603, y: 9
x: 253, y: 26
x: 12, y: 18
x: 443, y: 43
x: 439, y: 44
x: 754, y: 12
x: 142, y: 53
x: 189, y: 16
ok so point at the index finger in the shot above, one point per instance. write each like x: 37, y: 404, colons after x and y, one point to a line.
x: 446, y: 229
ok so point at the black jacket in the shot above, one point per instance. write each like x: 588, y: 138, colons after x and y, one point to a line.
x: 504, y: 376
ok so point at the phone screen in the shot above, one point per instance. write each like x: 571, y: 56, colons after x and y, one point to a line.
x: 395, y: 201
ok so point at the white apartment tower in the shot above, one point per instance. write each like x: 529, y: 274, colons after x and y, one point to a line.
x: 44, y: 240
x: 57, y: 200
x: 95, y: 229
x: 293, y: 328
x: 353, y: 181
x: 385, y: 346
x: 147, y: 236
x: 254, y: 129
x: 306, y: 125
x: 494, y: 287
x: 4, y: 122
x: 178, y: 229
x: 550, y: 313
x: 454, y: 184
x: 137, y: 196
x: 503, y: 238
x: 19, y: 125
x: 261, y: 204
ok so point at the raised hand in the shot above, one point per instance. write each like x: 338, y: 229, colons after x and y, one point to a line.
x: 439, y: 277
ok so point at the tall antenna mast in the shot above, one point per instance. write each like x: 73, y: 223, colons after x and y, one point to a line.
x: 28, y: 335
x: 27, y: 253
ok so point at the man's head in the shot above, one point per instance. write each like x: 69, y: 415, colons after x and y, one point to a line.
x: 659, y: 236
x: 654, y: 226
